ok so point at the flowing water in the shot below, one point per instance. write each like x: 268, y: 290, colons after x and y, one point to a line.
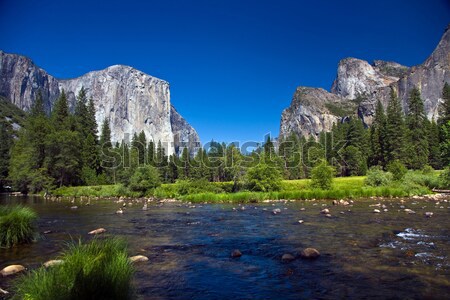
x: 367, y: 255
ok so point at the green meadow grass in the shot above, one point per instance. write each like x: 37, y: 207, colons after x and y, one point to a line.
x: 16, y: 225
x: 96, y: 270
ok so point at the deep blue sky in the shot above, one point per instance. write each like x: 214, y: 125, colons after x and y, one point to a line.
x: 232, y: 65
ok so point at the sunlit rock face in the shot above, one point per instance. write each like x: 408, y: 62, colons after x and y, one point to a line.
x: 131, y: 100
x: 359, y: 85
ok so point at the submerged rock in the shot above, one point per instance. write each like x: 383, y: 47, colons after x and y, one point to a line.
x: 276, y: 211
x: 97, y: 231
x: 12, y: 269
x: 325, y: 211
x: 428, y: 214
x: 236, y: 253
x: 309, y: 253
x: 287, y: 257
x: 53, y: 262
x: 138, y: 258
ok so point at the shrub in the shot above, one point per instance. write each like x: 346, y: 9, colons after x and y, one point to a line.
x: 417, y: 178
x: 97, y: 270
x: 263, y: 178
x: 377, y: 177
x: 397, y: 169
x: 144, y: 179
x: 322, y: 176
x: 444, y: 178
x: 16, y: 225
x: 427, y: 170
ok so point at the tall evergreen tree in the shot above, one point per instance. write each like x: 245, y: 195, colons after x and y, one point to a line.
x: 444, y: 126
x: 5, y: 145
x: 416, y: 122
x: 434, y: 150
x: 378, y: 137
x: 60, y: 112
x: 395, y: 130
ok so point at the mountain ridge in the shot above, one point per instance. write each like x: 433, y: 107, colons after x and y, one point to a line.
x: 132, y: 100
x: 364, y: 84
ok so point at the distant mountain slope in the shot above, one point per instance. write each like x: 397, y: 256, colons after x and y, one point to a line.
x: 358, y: 86
x: 132, y: 100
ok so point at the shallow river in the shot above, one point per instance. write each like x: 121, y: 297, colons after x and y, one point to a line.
x: 368, y: 255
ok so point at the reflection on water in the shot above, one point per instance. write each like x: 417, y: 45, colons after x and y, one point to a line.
x: 364, y: 255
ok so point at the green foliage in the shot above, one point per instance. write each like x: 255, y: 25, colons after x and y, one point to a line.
x: 396, y: 131
x: 377, y: 177
x: 16, y: 225
x: 444, y: 178
x: 96, y: 270
x: 322, y: 176
x: 263, y: 178
x: 417, y: 124
x: 144, y: 179
x: 397, y: 169
x: 355, y: 162
x: 416, y: 180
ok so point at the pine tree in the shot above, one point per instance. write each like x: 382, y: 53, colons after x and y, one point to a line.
x: 184, y: 169
x: 378, y: 137
x: 60, y: 112
x: 151, y: 153
x: 416, y: 122
x: 395, y: 130
x: 38, y: 107
x: 5, y: 145
x: 434, y: 150
x: 444, y: 126
x: 106, y: 164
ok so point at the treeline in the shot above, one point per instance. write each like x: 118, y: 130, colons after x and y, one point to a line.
x: 64, y: 148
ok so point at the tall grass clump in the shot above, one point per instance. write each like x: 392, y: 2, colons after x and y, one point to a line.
x: 16, y: 225
x: 96, y: 270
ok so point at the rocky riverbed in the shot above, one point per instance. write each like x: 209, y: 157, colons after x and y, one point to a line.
x: 371, y: 248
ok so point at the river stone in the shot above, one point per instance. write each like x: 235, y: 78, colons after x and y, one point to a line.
x: 309, y: 253
x: 409, y: 211
x: 287, y: 257
x: 325, y: 211
x: 97, y: 231
x: 236, y: 253
x: 138, y: 258
x: 53, y: 262
x: 276, y: 211
x: 377, y: 211
x: 428, y: 214
x: 12, y: 269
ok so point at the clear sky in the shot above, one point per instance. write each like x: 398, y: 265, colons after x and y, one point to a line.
x: 233, y: 65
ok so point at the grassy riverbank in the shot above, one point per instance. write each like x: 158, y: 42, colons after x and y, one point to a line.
x: 353, y: 187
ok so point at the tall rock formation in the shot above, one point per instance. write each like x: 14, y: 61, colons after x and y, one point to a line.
x: 359, y: 85
x: 132, y: 100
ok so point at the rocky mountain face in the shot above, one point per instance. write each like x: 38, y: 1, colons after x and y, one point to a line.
x: 359, y: 85
x: 132, y: 100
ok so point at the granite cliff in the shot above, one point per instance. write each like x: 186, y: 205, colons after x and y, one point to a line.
x: 359, y: 85
x: 132, y: 100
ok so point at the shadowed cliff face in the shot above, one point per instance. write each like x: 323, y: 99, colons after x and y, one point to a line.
x: 132, y: 100
x: 359, y: 85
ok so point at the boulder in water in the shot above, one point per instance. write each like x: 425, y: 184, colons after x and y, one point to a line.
x: 236, y: 253
x: 309, y: 253
x: 12, y: 269
x: 138, y: 258
x: 287, y: 257
x: 53, y: 262
x: 97, y: 231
